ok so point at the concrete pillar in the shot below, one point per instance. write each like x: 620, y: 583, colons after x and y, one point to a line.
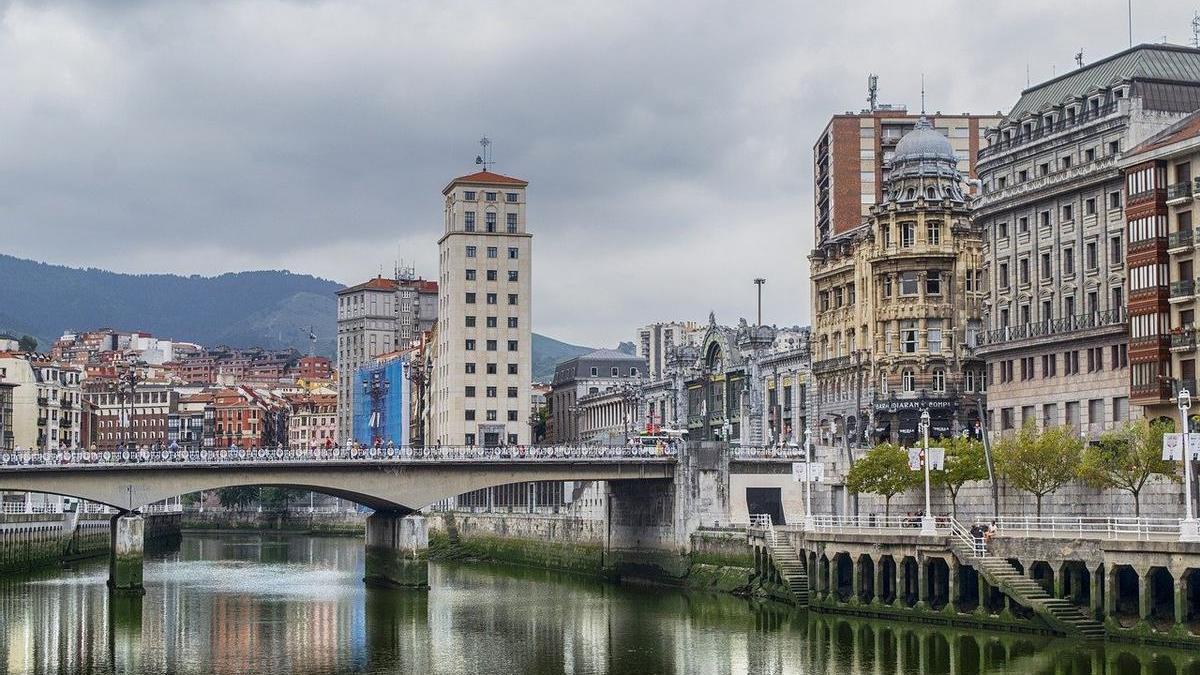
x: 127, y: 539
x: 984, y: 593
x: 1058, y: 583
x: 953, y: 592
x: 856, y: 579
x: 396, y: 548
x: 1144, y: 595
x: 899, y: 582
x: 880, y: 591
x: 1181, y: 595
x: 922, y: 584
x: 1097, y: 591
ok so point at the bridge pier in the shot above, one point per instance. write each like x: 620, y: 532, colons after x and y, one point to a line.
x: 397, y: 545
x: 126, y: 553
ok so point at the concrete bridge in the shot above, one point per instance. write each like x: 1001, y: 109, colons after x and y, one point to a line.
x: 658, y: 496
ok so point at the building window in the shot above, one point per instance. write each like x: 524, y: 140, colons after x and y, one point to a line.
x: 939, y: 380
x: 490, y: 221
x: 934, y: 335
x: 933, y: 283
x: 491, y: 392
x: 470, y: 345
x: 470, y: 438
x: 908, y: 336
x: 491, y: 345
x: 1068, y: 256
x: 512, y: 345
x: 510, y: 197
x: 908, y: 234
x: 512, y: 322
x: 969, y: 381
x: 1093, y: 260
x: 1003, y: 274
x: 470, y: 299
x: 1089, y: 155
x: 491, y: 298
x: 469, y: 195
x: 1114, y: 200
x: 512, y: 275
x: 909, y: 381
x: 490, y: 196
x: 469, y: 221
x: 908, y: 283
x: 491, y: 415
x: 1068, y: 213
x: 512, y: 369
x: 1046, y: 272
x: 513, y: 253
x: 470, y: 275
x: 492, y: 251
x: 491, y: 275
x: 1022, y: 225
x: 491, y: 322
x: 470, y: 417
x: 595, y: 371
x: 512, y: 392
x: 1023, y: 271
x: 887, y: 286
x: 470, y: 393
x: 512, y: 298
x: 1002, y: 230
x: 933, y: 233
x: 1089, y: 207
x: 470, y: 368
x: 1115, y: 251
x: 511, y: 223
x: 491, y: 369
x: 883, y: 384
x: 470, y: 321
x: 470, y: 251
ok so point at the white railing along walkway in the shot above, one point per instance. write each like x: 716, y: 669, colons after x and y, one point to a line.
x: 174, y: 456
x: 1089, y: 527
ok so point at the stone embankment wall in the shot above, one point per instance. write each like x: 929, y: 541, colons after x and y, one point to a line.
x: 340, y: 523
x: 32, y: 541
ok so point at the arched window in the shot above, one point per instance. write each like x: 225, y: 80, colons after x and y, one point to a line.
x: 909, y: 379
x: 911, y: 193
x: 931, y: 192
x: 883, y: 384
x: 939, y: 380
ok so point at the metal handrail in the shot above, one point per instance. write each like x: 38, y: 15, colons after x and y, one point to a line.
x: 1083, y: 117
x: 1087, y: 527
x: 830, y: 522
x: 976, y: 545
x: 1053, y: 326
x: 149, y: 456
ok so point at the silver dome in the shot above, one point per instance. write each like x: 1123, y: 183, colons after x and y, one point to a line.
x: 923, y: 142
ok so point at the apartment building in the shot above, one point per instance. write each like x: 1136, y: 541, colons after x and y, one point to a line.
x: 594, y: 395
x: 140, y: 418
x: 46, y: 400
x: 482, y: 365
x: 853, y: 154
x: 656, y: 341
x: 894, y: 302
x: 1053, y: 214
x: 1162, y: 188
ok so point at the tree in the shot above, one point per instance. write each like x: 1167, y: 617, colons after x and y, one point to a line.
x: 883, y: 471
x: 237, y: 497
x: 1040, y: 463
x: 1125, y: 459
x: 27, y: 343
x: 965, y: 461
x: 277, y: 499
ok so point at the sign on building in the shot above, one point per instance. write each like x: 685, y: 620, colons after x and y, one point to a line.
x: 937, y: 459
x: 815, y: 469
x: 1173, y: 446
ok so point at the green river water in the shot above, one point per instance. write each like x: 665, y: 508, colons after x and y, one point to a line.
x: 261, y: 603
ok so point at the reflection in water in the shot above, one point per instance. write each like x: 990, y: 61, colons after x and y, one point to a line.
x: 229, y: 603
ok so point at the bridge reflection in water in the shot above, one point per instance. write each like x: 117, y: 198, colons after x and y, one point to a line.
x: 283, y: 603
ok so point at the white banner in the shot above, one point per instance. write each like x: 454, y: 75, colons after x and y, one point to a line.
x: 817, y: 469
x: 937, y: 459
x: 1173, y: 446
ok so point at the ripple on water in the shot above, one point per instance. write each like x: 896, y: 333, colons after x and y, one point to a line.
x: 277, y: 580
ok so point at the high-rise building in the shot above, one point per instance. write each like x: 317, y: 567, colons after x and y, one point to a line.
x: 656, y: 340
x: 852, y: 154
x: 1161, y: 189
x: 893, y: 300
x: 482, y: 365
x: 1056, y: 344
x: 374, y: 318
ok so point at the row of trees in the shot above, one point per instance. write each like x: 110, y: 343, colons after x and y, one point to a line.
x: 1037, y: 462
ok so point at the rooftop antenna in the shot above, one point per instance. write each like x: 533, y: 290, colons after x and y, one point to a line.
x: 922, y: 93
x: 485, y: 158
x: 1130, y: 8
x: 1026, y: 74
x: 1079, y: 57
x: 312, y: 341
x: 1196, y: 30
x: 872, y: 90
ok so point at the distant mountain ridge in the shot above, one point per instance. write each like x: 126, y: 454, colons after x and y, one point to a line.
x: 266, y: 308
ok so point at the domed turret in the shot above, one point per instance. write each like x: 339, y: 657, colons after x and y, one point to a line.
x: 923, y: 166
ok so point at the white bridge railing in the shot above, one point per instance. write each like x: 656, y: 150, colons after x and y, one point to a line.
x: 834, y: 523
x: 1088, y: 527
x: 173, y: 456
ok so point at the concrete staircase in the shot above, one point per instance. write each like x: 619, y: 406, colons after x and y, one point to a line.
x: 1062, y: 615
x: 789, y: 564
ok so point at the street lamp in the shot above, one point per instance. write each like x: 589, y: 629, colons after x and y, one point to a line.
x: 928, y: 524
x: 1188, y: 529
x: 808, y: 514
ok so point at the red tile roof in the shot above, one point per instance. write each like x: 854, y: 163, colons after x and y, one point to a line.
x: 486, y: 178
x: 376, y: 284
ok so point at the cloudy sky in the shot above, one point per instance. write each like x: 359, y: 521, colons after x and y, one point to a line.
x: 667, y: 144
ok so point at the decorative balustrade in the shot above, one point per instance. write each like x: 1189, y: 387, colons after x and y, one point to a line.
x: 1088, y: 527
x: 1044, y: 130
x: 1180, y: 238
x: 1181, y: 190
x: 170, y: 457
x: 1068, y: 324
x: 1183, y: 288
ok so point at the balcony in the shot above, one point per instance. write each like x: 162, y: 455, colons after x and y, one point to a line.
x: 1179, y: 192
x: 1180, y: 239
x: 1045, y: 130
x: 1062, y: 326
x: 42, y: 401
x: 1184, y: 289
x: 1184, y: 342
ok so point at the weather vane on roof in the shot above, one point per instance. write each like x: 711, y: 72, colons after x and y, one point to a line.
x: 485, y: 159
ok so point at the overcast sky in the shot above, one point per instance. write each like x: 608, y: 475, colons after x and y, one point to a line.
x: 667, y: 145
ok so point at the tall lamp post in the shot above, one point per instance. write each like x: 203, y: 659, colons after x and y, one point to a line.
x: 928, y: 524
x: 808, y: 514
x: 1188, y: 529
x: 418, y: 374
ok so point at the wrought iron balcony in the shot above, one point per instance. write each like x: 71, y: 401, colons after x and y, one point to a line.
x: 1183, y: 288
x: 1184, y: 342
x: 1068, y: 324
x: 1180, y: 238
x: 1179, y: 191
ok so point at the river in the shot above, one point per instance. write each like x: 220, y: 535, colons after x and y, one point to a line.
x: 261, y: 603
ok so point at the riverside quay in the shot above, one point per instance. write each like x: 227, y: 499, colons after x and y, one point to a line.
x: 1089, y: 578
